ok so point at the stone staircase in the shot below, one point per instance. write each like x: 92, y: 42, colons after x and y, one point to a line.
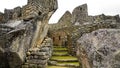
x: 61, y: 59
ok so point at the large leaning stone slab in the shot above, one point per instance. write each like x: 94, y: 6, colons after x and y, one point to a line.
x: 18, y: 36
x: 41, y: 10
x: 100, y: 49
x: 80, y: 15
x: 65, y: 20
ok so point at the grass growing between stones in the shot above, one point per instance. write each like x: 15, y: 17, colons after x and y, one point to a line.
x: 69, y: 63
x: 64, y: 58
x: 60, y: 49
x: 56, y: 67
x: 60, y: 53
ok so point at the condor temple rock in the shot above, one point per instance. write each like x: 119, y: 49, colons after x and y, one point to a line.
x: 78, y: 40
x: 23, y: 35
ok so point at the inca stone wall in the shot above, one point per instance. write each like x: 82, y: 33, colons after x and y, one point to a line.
x: 103, y: 18
x: 73, y: 33
x: 38, y: 57
x: 83, y: 23
x: 59, y: 38
x: 1, y: 17
x: 17, y: 13
x: 12, y: 14
x: 80, y: 17
x: 32, y: 9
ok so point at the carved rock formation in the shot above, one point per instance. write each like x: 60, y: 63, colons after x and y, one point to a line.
x: 80, y: 15
x: 100, y: 49
x: 42, y: 9
x: 64, y: 21
x: 29, y: 31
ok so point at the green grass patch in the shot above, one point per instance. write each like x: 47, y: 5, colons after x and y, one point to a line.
x: 60, y: 53
x: 64, y: 58
x: 69, y: 63
x: 60, y: 49
x: 56, y: 67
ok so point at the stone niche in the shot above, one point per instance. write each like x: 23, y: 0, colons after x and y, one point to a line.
x: 18, y: 36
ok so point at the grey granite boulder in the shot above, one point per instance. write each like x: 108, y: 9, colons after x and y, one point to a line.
x: 100, y: 49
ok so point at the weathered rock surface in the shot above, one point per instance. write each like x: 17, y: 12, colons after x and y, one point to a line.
x: 73, y: 33
x: 100, y: 49
x: 66, y: 18
x: 80, y: 15
x: 65, y: 21
x: 39, y: 7
x: 15, y: 41
x: 104, y: 18
x: 42, y: 10
x: 29, y: 31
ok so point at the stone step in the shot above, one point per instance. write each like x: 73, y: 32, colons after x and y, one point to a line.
x: 66, y: 64
x: 57, y: 67
x: 51, y: 66
x: 60, y: 53
x: 64, y: 59
x: 60, y: 48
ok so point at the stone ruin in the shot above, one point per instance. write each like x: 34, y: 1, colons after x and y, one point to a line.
x: 23, y: 35
x: 83, y: 38
x: 26, y: 38
x: 80, y: 23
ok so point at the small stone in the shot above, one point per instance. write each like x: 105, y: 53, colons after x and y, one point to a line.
x: 33, y: 65
x: 40, y: 66
x: 25, y: 66
x: 44, y: 41
x: 36, y: 57
x: 28, y: 53
x: 26, y: 63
